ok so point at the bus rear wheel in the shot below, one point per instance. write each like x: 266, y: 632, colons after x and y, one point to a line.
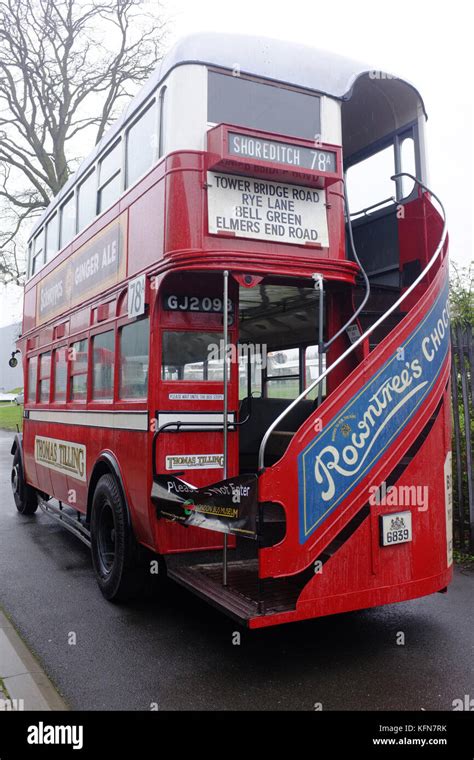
x: 115, y: 553
x: 25, y: 496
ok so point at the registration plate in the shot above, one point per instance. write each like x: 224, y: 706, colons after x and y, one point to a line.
x: 395, y: 528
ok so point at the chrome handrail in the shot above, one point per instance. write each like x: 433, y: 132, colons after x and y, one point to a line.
x: 369, y: 331
x: 374, y: 205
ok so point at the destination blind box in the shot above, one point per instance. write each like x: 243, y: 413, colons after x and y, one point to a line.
x: 249, y: 152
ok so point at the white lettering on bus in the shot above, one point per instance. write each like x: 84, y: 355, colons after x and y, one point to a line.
x: 52, y: 295
x: 86, y: 269
x: 96, y: 261
x: 266, y: 151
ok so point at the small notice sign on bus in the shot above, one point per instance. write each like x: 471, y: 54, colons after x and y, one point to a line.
x: 253, y: 208
x: 229, y: 506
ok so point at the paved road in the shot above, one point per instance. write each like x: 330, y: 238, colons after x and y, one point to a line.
x: 177, y: 652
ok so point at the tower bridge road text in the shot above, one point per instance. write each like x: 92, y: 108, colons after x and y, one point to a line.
x: 266, y: 210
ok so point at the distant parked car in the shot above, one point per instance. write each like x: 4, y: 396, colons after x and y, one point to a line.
x: 19, y: 398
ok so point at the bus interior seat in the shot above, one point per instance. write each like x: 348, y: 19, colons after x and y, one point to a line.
x: 264, y: 411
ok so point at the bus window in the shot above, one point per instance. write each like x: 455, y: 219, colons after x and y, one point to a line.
x: 194, y: 356
x: 162, y: 127
x: 283, y: 374
x: 134, y: 340
x: 44, y: 375
x: 312, y: 371
x: 68, y: 221
x: 87, y: 201
x: 250, y: 371
x: 60, y: 374
x: 236, y: 100
x: 368, y: 182
x: 103, y: 365
x: 52, y: 237
x: 37, y: 252
x: 142, y: 145
x: 110, y: 181
x: 32, y: 372
x: 78, y: 364
x: 408, y: 164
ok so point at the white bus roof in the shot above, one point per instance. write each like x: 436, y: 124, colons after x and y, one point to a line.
x: 276, y: 60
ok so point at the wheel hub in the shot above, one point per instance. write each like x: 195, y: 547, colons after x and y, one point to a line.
x: 15, y: 479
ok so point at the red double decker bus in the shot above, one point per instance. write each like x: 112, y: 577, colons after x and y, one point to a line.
x: 236, y: 340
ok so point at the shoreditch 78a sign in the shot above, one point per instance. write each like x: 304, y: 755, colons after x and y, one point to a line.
x: 340, y: 457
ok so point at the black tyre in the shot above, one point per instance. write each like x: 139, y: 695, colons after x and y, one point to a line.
x: 25, y: 496
x: 116, y: 557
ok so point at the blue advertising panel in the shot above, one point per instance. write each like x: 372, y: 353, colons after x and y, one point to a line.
x: 338, y: 459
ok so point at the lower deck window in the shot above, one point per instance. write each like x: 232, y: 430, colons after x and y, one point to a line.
x: 45, y: 373
x: 134, y: 342
x: 103, y: 366
x: 78, y: 359
x: 192, y: 356
x: 60, y: 374
x: 32, y: 370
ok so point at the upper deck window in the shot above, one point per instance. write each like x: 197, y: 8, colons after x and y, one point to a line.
x: 368, y: 181
x: 246, y: 103
x: 52, y: 237
x: 68, y: 221
x: 86, y: 203
x: 142, y: 144
x: 37, y: 252
x: 110, y: 183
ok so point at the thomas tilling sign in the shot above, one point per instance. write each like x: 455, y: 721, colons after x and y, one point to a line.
x: 253, y: 208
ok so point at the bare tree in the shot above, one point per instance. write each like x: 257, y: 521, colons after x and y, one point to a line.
x: 65, y: 67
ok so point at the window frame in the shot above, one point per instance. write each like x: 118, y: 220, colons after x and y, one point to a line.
x: 152, y: 104
x: 56, y: 348
x: 91, y: 172
x: 394, y: 139
x: 268, y: 83
x: 54, y: 215
x: 101, y: 330
x: 122, y: 322
x: 71, y: 373
x: 31, y: 357
x: 266, y: 378
x: 40, y: 377
x: 72, y: 196
x: 198, y: 328
x: 101, y: 185
x: 162, y: 121
x: 41, y: 252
